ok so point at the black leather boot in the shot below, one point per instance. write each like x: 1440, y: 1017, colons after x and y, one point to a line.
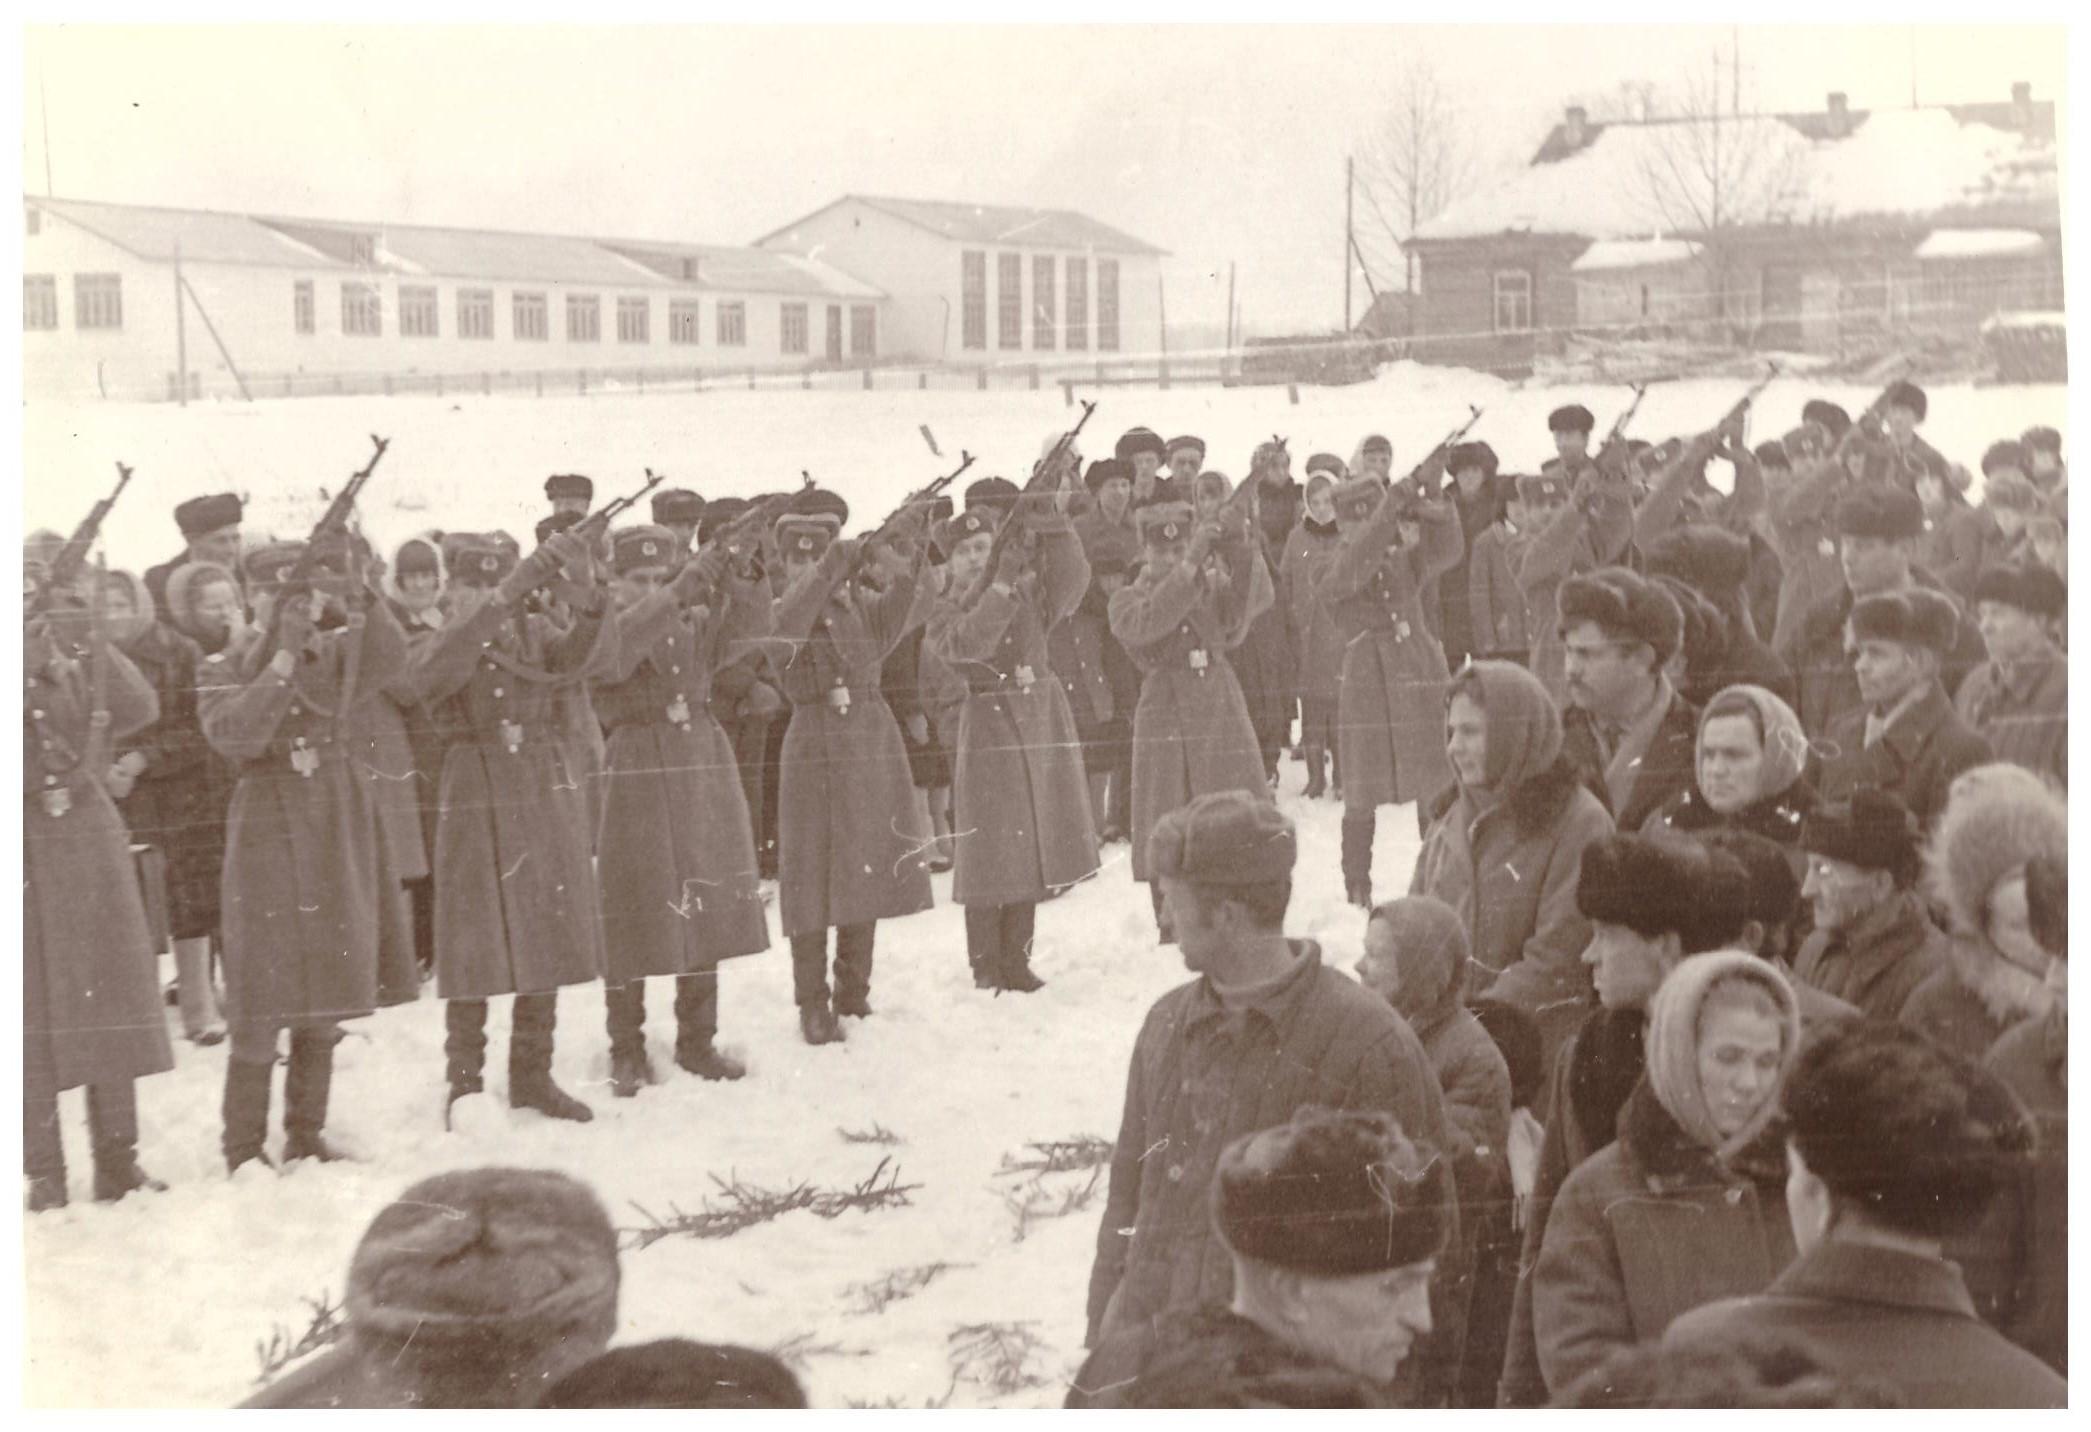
x: 464, y: 1050
x: 697, y: 1025
x: 246, y: 1112
x: 630, y: 1070
x: 308, y: 1084
x: 1357, y: 859
x: 530, y: 1084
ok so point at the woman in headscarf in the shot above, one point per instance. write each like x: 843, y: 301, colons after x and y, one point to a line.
x: 1689, y: 1205
x: 1747, y: 772
x: 1507, y: 844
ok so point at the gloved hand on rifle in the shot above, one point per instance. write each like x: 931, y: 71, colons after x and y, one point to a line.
x: 295, y: 628
x: 701, y: 575
x: 1204, y: 537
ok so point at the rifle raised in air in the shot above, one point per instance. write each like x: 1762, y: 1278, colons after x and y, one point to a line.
x: 303, y: 572
x: 71, y: 559
x: 920, y: 497
x: 1040, y: 472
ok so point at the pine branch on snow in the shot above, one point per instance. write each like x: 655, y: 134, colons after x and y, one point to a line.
x: 876, y: 1134
x: 900, y: 1284
x: 323, y: 1327
x: 1060, y: 1155
x: 744, y: 1205
x: 998, y: 1356
x: 1037, y: 1199
x: 801, y: 1348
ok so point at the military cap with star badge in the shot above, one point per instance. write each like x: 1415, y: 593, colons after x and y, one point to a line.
x: 644, y: 546
x: 806, y: 535
x: 478, y: 560
x: 970, y: 523
x: 1164, y: 522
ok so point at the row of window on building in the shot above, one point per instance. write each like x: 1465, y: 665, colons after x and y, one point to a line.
x: 1059, y: 314
x: 97, y: 300
x: 98, y: 304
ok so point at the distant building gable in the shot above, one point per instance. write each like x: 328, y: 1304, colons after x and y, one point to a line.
x: 991, y: 225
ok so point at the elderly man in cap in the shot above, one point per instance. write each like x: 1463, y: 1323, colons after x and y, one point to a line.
x: 1335, y: 1222
x: 1263, y: 1029
x: 1627, y: 729
x: 210, y: 528
x: 2018, y: 700
x: 1878, y: 528
x: 476, y: 1288
x: 1906, y: 738
x: 1873, y: 944
x: 1141, y: 450
x: 569, y: 492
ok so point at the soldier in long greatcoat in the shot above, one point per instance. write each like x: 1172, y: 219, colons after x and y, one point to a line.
x: 516, y: 905
x: 1309, y: 549
x: 853, y: 842
x: 675, y: 853
x: 1390, y: 700
x: 1020, y: 801
x: 1197, y: 594
x: 300, y: 903
x: 91, y: 1011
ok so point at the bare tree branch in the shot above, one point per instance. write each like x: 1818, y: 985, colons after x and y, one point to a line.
x: 1419, y: 158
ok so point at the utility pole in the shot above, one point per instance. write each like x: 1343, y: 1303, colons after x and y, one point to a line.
x: 1349, y: 176
x: 181, y: 330
x: 43, y: 110
x: 1230, y: 307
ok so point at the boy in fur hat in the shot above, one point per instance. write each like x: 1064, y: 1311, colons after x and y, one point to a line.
x: 1335, y: 1222
x: 1626, y: 727
x: 1906, y: 739
x: 476, y: 1288
x: 2018, y: 700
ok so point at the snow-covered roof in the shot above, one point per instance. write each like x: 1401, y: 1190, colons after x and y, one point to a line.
x: 205, y: 236
x: 991, y: 224
x: 1978, y: 243
x: 1641, y: 178
x: 1608, y: 254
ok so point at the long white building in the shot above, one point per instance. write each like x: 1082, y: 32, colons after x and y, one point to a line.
x: 299, y: 306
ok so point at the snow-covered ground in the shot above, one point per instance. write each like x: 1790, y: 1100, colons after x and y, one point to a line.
x: 160, y: 1300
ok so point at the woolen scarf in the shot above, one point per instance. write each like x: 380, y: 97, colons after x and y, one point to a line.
x: 1673, y: 1043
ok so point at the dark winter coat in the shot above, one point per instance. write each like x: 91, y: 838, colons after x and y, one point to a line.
x: 91, y: 1008
x: 425, y: 740
x: 1881, y: 1312
x: 1018, y: 792
x: 2022, y: 711
x: 1776, y: 817
x: 1211, y: 1356
x: 2033, y: 1058
x: 1648, y: 1229
x: 514, y: 803
x: 853, y: 842
x: 1958, y: 543
x: 1822, y: 668
x: 675, y: 853
x: 1318, y: 638
x: 1203, y: 1076
x: 1495, y: 601
x: 1191, y: 730
x: 1877, y: 963
x: 300, y: 905
x: 1915, y: 759
x: 179, y: 800
x: 1267, y: 661
x: 1510, y: 869
x: 1667, y: 767
x: 1390, y: 705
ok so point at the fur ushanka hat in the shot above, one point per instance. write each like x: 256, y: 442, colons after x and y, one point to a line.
x: 1331, y: 1194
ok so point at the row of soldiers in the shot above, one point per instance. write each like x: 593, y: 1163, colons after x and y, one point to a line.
x: 544, y: 769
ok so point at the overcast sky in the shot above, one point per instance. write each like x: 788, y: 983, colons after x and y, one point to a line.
x: 1217, y: 143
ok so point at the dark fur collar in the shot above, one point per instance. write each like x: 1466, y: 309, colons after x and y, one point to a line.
x: 1534, y: 803
x: 1669, y: 1160
x: 1776, y: 817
